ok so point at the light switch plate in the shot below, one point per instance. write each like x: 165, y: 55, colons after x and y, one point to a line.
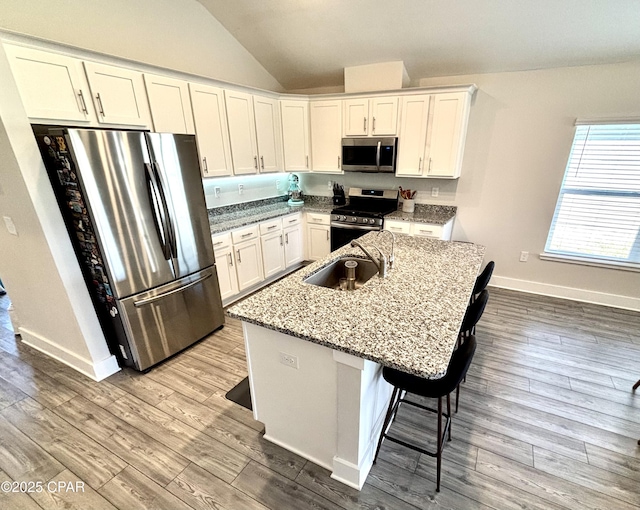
x: 11, y: 228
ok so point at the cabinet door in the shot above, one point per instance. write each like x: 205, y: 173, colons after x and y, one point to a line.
x: 225, y: 266
x: 413, y: 135
x: 118, y: 95
x: 242, y: 132
x: 248, y: 263
x: 384, y: 116
x: 268, y: 134
x: 212, y: 133
x: 293, y: 247
x: 273, y: 254
x: 295, y: 135
x: 326, y: 135
x: 170, y: 105
x: 356, y: 117
x: 319, y: 241
x: 450, y: 112
x: 51, y: 86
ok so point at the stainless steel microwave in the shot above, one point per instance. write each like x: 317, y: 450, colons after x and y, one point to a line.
x: 371, y: 154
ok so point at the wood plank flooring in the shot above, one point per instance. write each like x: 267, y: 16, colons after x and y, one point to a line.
x: 547, y: 420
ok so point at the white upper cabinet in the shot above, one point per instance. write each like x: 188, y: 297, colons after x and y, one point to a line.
x: 449, y: 130
x: 326, y: 135
x: 268, y: 133
x: 119, y: 95
x: 377, y: 116
x: 433, y: 129
x: 170, y: 105
x: 413, y: 135
x: 242, y: 132
x: 212, y: 133
x: 295, y: 135
x: 52, y: 86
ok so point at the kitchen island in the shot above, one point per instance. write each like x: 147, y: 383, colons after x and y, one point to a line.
x: 315, y: 354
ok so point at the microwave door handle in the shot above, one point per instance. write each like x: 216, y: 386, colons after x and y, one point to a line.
x: 378, y: 155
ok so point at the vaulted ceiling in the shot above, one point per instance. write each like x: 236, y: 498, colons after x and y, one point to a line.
x: 307, y: 43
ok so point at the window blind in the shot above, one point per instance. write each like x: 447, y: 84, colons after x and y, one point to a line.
x: 597, y: 215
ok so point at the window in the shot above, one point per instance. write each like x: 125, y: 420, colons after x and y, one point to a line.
x: 597, y: 217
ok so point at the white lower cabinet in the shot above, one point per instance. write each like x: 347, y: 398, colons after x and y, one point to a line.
x: 225, y: 265
x: 318, y: 236
x: 416, y: 229
x: 293, y: 242
x: 273, y: 252
x: 248, y: 263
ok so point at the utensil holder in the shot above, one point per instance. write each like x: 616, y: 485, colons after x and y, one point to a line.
x: 408, y: 205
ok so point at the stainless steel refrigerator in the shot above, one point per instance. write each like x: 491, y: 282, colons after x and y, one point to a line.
x: 134, y: 207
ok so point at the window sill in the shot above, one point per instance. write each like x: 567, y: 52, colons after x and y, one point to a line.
x: 586, y: 261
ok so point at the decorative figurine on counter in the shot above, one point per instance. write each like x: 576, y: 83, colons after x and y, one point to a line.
x: 295, y: 193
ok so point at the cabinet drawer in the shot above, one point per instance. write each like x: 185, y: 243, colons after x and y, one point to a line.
x: 318, y: 218
x: 221, y: 241
x: 399, y: 227
x: 291, y: 219
x: 244, y: 234
x: 427, y: 230
x: 268, y: 227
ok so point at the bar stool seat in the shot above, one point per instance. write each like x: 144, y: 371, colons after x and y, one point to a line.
x: 404, y: 383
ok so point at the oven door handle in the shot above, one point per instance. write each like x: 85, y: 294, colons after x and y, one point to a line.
x: 378, y: 155
x: 354, y: 227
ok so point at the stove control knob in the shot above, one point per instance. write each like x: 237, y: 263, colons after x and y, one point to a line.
x: 372, y: 221
x: 342, y: 218
x: 364, y: 220
x: 353, y: 219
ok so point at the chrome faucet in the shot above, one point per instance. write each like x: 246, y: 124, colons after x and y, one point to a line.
x: 380, y: 263
x: 392, y: 257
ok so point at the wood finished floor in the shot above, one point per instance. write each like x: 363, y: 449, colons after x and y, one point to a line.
x: 547, y: 421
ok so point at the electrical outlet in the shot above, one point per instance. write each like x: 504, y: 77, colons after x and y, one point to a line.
x: 216, y: 191
x: 240, y: 189
x: 278, y: 185
x: 330, y: 185
x: 524, y: 256
x: 289, y: 360
x: 435, y: 192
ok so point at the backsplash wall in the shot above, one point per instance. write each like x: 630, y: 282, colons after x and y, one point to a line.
x: 256, y: 187
x: 316, y: 184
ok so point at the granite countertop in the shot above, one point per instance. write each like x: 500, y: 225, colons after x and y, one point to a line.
x: 409, y: 320
x: 249, y: 213
x: 425, y: 213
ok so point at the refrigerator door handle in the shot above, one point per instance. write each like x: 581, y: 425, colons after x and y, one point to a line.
x: 170, y: 230
x: 158, y: 213
x: 150, y: 300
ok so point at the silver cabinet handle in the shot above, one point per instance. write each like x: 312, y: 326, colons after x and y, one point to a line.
x: 429, y: 170
x: 204, y: 164
x: 293, y: 220
x: 327, y: 235
x: 100, y: 103
x: 230, y: 259
x: 280, y: 239
x: 272, y: 227
x: 286, y: 238
x: 255, y: 162
x: 239, y: 259
x: 420, y: 165
x: 365, y: 125
x: 373, y: 127
x: 246, y: 235
x: 307, y: 162
x: 218, y: 243
x: 262, y: 162
x: 338, y: 161
x: 143, y: 302
x: 84, y: 105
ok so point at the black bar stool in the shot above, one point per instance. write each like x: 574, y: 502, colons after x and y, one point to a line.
x: 404, y: 383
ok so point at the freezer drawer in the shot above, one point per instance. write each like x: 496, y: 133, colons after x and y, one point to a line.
x: 165, y: 320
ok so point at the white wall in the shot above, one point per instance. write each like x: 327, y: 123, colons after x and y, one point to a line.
x: 174, y: 34
x: 520, y: 133
x: 255, y: 187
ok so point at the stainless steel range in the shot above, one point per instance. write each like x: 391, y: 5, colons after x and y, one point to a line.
x: 364, y: 213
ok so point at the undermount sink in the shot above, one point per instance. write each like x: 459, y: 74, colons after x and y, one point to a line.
x: 330, y: 275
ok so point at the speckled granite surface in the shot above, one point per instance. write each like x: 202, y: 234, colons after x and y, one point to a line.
x: 426, y: 213
x: 240, y: 215
x: 409, y: 320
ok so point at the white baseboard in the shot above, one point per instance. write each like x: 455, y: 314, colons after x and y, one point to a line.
x: 585, y: 296
x: 95, y: 371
